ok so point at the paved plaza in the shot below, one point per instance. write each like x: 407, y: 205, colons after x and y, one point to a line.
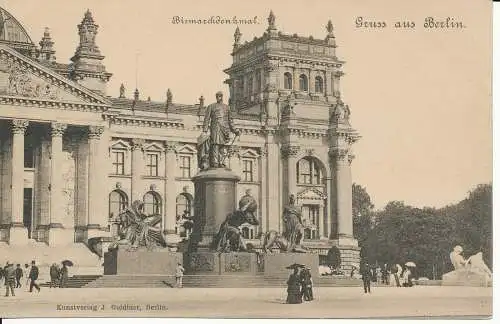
x: 331, y: 302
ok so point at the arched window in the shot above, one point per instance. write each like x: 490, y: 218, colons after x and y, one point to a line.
x: 183, y: 205
x: 288, y: 81
x: 303, y: 82
x: 118, y: 201
x: 308, y: 171
x: 318, y: 84
x: 152, y: 203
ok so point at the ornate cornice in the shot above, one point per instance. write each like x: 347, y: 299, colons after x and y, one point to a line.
x: 95, y: 132
x: 143, y: 122
x: 19, y: 126
x: 57, y: 129
x: 289, y: 150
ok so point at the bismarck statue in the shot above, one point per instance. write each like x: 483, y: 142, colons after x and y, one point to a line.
x: 217, y: 128
x: 291, y: 238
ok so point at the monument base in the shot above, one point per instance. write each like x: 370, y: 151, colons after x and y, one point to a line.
x: 275, y: 265
x: 215, y: 199
x: 213, y: 263
x: 141, y: 262
x: 467, y: 277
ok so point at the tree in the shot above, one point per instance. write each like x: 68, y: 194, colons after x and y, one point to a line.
x: 333, y: 257
x: 362, y: 212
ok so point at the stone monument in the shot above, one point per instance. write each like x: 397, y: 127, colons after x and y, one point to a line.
x: 139, y: 246
x: 289, y: 244
x: 470, y: 272
x: 216, y: 245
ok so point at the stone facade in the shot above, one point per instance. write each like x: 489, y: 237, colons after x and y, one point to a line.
x: 87, y: 156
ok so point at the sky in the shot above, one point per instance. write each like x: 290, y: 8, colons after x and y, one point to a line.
x: 420, y: 98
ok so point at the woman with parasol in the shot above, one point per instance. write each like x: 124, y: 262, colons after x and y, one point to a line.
x: 294, y: 285
x: 63, y: 276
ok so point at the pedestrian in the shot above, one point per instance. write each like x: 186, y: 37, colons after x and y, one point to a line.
x: 19, y: 275
x: 63, y: 276
x: 54, y: 275
x: 366, y: 274
x: 179, y: 273
x: 306, y: 281
x: 293, y: 290
x: 34, y: 272
x: 27, y: 274
x: 10, y: 279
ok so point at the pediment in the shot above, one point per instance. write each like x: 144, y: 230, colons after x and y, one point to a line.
x: 120, y: 145
x: 186, y: 149
x: 311, y: 194
x: 28, y: 81
x: 153, y: 147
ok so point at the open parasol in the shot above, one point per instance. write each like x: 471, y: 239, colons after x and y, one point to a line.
x: 410, y: 264
x: 67, y: 263
x: 295, y: 266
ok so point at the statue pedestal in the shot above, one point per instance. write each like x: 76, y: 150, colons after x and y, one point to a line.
x: 213, y: 263
x: 468, y: 276
x: 141, y: 262
x: 215, y: 198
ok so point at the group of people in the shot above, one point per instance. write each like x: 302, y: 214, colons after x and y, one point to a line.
x: 58, y: 276
x: 394, y: 275
x: 300, y: 286
x: 12, y: 277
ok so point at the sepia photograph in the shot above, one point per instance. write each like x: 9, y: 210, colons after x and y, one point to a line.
x: 234, y: 159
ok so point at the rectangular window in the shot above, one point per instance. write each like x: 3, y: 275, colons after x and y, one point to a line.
x: 248, y: 170
x: 185, y: 166
x: 119, y: 162
x: 152, y: 164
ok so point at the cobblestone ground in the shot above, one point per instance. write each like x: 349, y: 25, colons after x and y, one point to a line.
x: 341, y: 302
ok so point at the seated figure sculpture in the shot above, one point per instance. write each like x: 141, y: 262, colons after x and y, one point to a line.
x: 470, y: 272
x: 290, y: 240
x: 137, y: 230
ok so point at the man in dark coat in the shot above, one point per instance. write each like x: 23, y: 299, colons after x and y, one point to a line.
x: 19, y: 275
x: 10, y: 279
x: 366, y: 274
x: 34, y: 277
x: 54, y: 275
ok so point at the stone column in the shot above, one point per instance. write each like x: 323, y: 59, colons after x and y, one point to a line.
x: 137, y: 169
x: 336, y: 83
x: 234, y: 159
x: 273, y: 201
x: 169, y: 220
x: 18, y: 233
x: 329, y: 211
x: 96, y: 175
x: 57, y: 234
x: 343, y: 191
x: 289, y: 153
x: 262, y: 199
x: 296, y: 85
x: 321, y: 221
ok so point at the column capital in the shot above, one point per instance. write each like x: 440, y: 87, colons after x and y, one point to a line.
x: 57, y: 129
x: 289, y: 150
x: 233, y: 150
x: 19, y: 126
x: 138, y: 144
x: 338, y: 154
x: 95, y: 132
x: 171, y: 146
x: 350, y: 157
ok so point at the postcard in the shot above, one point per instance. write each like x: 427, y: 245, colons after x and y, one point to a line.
x: 236, y: 159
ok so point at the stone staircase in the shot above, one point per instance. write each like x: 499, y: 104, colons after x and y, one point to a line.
x: 77, y: 281
x: 199, y: 281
